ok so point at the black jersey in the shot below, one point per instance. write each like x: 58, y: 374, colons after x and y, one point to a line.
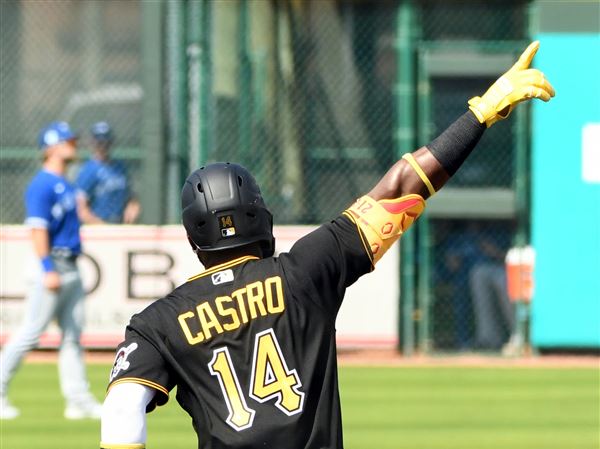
x: 250, y: 344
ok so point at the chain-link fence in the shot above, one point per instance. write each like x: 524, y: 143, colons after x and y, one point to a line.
x: 315, y: 123
x: 304, y: 93
x: 469, y: 307
x: 65, y: 60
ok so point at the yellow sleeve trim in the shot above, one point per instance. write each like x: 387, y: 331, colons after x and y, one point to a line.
x: 408, y: 157
x: 362, y: 238
x: 137, y: 380
x: 122, y: 446
x: 383, y: 222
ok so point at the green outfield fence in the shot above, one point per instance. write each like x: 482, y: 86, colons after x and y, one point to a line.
x: 316, y: 98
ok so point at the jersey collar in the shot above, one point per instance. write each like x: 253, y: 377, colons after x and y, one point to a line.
x: 223, y: 266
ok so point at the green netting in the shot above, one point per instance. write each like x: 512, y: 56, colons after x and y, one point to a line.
x: 65, y: 60
x: 304, y: 93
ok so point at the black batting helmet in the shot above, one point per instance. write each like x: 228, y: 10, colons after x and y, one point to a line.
x: 222, y: 208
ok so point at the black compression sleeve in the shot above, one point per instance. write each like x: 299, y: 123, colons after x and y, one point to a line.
x: 453, y: 146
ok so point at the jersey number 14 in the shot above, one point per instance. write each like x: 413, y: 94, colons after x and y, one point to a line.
x: 271, y: 380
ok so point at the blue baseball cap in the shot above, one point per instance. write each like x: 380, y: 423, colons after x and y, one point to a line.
x: 102, y: 132
x: 55, y: 133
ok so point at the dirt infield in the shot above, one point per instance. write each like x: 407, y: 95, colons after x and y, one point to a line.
x: 393, y: 358
x: 390, y: 357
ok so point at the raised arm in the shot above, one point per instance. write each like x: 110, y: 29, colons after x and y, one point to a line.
x: 426, y: 170
x: 397, y: 200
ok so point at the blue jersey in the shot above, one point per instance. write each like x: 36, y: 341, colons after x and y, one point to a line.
x: 106, y: 188
x: 50, y: 204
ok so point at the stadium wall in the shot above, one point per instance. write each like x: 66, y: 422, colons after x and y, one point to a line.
x: 125, y: 268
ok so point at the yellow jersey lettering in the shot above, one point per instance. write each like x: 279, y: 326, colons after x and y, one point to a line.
x: 192, y: 340
x: 275, y: 302
x: 239, y: 297
x: 208, y: 320
x: 256, y: 298
x: 227, y: 312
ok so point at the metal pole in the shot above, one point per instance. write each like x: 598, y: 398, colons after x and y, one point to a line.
x: 423, y: 280
x: 152, y: 192
x: 405, y: 142
x: 423, y: 225
x: 206, y: 89
x: 91, y: 64
x: 521, y: 186
x: 244, y: 85
x: 291, y: 183
x: 194, y: 52
x: 177, y: 101
x: 519, y: 339
x: 199, y: 83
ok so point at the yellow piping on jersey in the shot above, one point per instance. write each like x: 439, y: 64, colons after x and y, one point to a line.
x: 222, y: 266
x: 362, y: 238
x: 137, y: 380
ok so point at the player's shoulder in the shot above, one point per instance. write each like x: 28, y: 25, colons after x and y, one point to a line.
x: 118, y: 164
x: 35, y: 181
x: 43, y: 180
x: 258, y: 268
x: 181, y: 294
x: 86, y: 170
x: 155, y: 313
x: 91, y: 165
x: 331, y: 243
x: 42, y: 177
x: 327, y: 234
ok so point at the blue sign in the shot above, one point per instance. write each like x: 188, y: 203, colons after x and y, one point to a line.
x: 566, y: 194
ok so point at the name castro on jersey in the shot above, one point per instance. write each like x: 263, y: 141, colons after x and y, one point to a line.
x: 227, y: 313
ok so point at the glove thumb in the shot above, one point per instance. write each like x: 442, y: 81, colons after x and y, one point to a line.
x: 525, y: 59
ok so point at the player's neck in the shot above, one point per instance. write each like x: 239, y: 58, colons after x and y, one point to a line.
x: 55, y: 165
x: 219, y: 257
x: 101, y: 157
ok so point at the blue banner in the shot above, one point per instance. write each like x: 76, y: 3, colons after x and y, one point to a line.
x: 566, y: 194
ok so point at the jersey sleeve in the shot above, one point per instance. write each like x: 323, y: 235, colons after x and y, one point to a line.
x: 38, y: 206
x: 139, y: 361
x: 383, y: 222
x: 86, y: 180
x: 128, y: 188
x: 325, y: 262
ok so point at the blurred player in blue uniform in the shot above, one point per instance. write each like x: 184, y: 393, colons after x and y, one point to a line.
x: 103, y: 191
x: 55, y: 291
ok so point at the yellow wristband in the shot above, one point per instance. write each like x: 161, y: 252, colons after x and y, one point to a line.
x: 408, y: 157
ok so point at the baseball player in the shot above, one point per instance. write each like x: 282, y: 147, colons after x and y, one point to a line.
x: 55, y: 291
x: 250, y: 342
x: 103, y: 191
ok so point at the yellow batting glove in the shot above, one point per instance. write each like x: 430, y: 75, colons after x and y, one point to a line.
x: 520, y: 83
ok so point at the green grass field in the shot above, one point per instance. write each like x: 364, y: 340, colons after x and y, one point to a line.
x: 383, y: 408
